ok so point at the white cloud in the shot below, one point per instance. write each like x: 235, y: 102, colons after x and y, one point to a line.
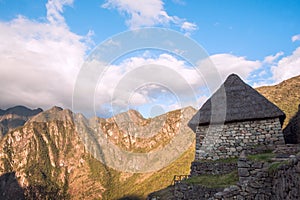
x: 147, y: 13
x: 188, y: 26
x: 39, y: 61
x: 271, y: 58
x: 227, y: 64
x: 260, y: 83
x: 55, y: 10
x: 133, y: 83
x: 139, y: 80
x: 287, y: 67
x: 296, y: 38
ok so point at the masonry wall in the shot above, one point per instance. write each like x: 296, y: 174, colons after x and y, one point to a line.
x: 184, y: 191
x: 278, y: 178
x: 258, y: 181
x: 229, y: 140
x: 212, y: 168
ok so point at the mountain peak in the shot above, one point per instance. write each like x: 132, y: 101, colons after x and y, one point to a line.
x: 54, y: 113
x: 130, y: 115
x: 55, y: 109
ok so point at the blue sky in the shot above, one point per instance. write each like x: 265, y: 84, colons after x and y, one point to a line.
x: 44, y: 44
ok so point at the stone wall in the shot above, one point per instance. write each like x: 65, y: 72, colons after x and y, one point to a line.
x: 213, y: 168
x: 229, y: 140
x: 184, y: 191
x: 266, y: 181
x: 273, y: 176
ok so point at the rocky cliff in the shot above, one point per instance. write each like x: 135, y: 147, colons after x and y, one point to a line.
x: 50, y: 160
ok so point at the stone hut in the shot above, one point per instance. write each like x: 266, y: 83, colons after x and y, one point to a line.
x: 233, y: 119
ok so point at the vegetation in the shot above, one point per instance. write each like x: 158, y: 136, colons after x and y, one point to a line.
x: 276, y: 165
x: 120, y: 185
x: 41, y: 175
x: 222, y: 160
x: 214, y: 181
x: 266, y: 157
x: 7, y: 150
x: 285, y: 95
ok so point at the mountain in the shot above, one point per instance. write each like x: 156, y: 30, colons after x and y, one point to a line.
x: 285, y: 95
x: 53, y: 155
x: 50, y: 159
x: 15, y: 117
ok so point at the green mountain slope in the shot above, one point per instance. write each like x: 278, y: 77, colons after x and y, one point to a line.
x: 286, y: 95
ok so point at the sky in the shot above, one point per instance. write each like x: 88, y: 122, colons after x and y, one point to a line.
x: 45, y: 44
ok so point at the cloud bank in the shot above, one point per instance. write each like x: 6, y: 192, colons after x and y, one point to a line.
x: 147, y: 14
x: 287, y: 67
x: 39, y: 60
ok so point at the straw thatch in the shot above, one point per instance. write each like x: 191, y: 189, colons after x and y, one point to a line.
x: 235, y: 101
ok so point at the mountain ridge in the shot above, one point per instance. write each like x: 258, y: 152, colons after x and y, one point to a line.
x: 49, y: 158
x: 14, y: 117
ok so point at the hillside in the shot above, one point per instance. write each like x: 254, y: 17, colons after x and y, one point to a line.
x: 51, y: 161
x: 286, y: 95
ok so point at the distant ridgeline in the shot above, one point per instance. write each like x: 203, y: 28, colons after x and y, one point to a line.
x: 14, y: 117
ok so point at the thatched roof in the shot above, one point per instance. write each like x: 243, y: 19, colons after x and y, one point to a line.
x: 235, y: 101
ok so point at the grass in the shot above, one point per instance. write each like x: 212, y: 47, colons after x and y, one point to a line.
x: 214, y: 181
x: 266, y: 157
x: 222, y: 160
x: 285, y: 95
x: 275, y: 166
x: 140, y: 185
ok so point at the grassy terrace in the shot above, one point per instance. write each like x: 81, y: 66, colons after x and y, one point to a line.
x: 222, y: 160
x: 263, y: 157
x: 219, y: 181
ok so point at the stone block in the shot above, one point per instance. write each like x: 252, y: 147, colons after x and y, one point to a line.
x: 243, y: 172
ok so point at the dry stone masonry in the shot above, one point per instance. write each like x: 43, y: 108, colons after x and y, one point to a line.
x: 266, y: 181
x: 277, y: 178
x: 229, y: 140
x: 212, y: 168
x: 234, y: 118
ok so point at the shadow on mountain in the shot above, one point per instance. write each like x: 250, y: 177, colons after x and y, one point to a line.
x: 10, y: 188
x: 131, y: 198
x: 292, y: 130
